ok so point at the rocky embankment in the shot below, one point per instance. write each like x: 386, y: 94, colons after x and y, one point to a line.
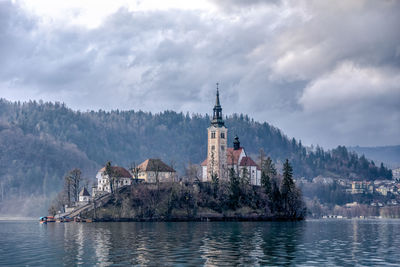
x: 193, y: 202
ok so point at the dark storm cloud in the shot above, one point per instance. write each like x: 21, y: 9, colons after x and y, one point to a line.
x: 324, y: 73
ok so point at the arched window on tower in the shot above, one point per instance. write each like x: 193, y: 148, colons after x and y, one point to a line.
x: 213, y: 135
x: 223, y: 135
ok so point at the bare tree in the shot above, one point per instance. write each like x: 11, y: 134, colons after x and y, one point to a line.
x: 67, y: 188
x: 157, y: 177
x: 214, y: 176
x: 112, y: 179
x: 74, y: 178
x: 135, y: 171
x: 172, y: 165
x: 192, y: 172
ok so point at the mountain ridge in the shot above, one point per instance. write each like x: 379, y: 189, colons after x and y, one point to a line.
x: 390, y: 155
x: 41, y: 141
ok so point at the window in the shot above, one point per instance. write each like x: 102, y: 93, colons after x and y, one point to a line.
x: 213, y: 135
x: 222, y: 148
x: 223, y: 135
x: 212, y: 147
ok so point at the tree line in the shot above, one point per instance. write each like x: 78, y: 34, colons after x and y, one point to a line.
x: 41, y: 141
x: 191, y: 199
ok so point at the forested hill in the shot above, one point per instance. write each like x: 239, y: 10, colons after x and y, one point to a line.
x: 40, y: 142
x: 390, y: 155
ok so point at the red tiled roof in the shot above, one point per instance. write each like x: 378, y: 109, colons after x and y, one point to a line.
x: 155, y: 165
x: 118, y: 171
x: 233, y: 154
x: 229, y: 153
x: 247, y: 161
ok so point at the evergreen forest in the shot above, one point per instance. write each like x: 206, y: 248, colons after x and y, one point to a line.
x: 41, y: 141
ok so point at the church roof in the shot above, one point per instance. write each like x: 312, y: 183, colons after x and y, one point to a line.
x: 118, y: 171
x: 247, y: 161
x: 230, y: 152
x: 155, y: 165
x: 84, y: 193
x: 204, y: 163
x: 233, y: 155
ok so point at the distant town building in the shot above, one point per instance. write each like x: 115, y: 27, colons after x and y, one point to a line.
x: 383, y: 190
x: 396, y: 173
x: 220, y: 158
x: 361, y: 187
x: 152, y: 170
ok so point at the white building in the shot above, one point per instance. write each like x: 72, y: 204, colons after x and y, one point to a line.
x: 84, y: 196
x: 237, y: 159
x: 121, y: 175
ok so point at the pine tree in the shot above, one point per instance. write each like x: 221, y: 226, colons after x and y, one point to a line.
x: 268, y: 172
x: 234, y: 183
x: 287, y: 182
x: 293, y: 205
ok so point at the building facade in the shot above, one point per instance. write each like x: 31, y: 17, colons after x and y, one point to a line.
x: 84, y: 196
x: 155, y: 170
x: 122, y: 177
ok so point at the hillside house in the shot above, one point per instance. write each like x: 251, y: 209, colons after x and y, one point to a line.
x: 152, y: 170
x: 121, y: 175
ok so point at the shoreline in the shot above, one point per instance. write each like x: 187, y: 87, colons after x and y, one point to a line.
x: 203, y: 219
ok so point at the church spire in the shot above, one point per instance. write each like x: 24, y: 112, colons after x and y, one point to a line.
x: 217, y: 116
x: 217, y: 98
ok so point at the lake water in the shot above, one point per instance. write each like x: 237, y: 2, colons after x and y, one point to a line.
x: 309, y: 243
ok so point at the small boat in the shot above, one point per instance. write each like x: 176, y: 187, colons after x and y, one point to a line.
x: 64, y: 219
x: 51, y: 219
x: 43, y: 220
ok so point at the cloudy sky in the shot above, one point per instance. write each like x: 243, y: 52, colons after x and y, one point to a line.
x: 326, y: 72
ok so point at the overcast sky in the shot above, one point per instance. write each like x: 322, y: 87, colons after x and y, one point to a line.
x: 325, y: 72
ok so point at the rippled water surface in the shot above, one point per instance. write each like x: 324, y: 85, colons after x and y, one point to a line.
x: 309, y: 243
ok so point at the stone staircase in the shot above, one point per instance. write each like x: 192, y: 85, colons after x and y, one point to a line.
x: 96, y: 203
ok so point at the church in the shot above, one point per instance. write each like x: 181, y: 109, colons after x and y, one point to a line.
x: 221, y: 158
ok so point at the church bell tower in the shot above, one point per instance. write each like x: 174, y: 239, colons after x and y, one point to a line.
x: 217, y: 144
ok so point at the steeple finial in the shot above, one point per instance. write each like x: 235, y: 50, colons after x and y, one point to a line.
x: 217, y: 117
x: 217, y: 99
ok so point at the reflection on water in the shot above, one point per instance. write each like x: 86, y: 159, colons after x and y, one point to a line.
x: 310, y: 243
